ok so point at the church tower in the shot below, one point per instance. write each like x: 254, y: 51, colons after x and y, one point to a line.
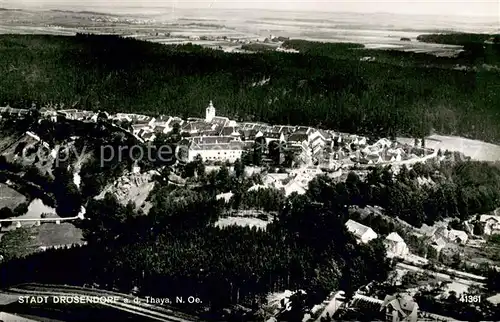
x: 210, y: 113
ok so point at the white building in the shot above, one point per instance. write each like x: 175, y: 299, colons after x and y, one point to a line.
x: 438, y: 244
x: 361, y: 232
x: 257, y: 187
x: 149, y: 137
x: 396, y: 246
x: 141, y: 128
x: 275, y: 179
x: 294, y: 186
x: 491, y: 224
x: 271, y: 136
x: 383, y: 143
x: 163, y: 124
x: 123, y: 117
x: 225, y: 196
x: 210, y: 113
x: 216, y: 148
x: 317, y: 140
x: 458, y: 236
x: 287, y: 50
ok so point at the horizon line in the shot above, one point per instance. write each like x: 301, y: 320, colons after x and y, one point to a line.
x: 89, y: 10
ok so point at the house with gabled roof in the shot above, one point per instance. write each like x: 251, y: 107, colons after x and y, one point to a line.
x: 195, y: 119
x: 176, y: 120
x: 396, y: 246
x: 70, y: 114
x: 294, y: 187
x: 491, y: 224
x: 317, y: 140
x: 162, y: 129
x: 275, y: 179
x: 400, y: 308
x: 298, y: 137
x: 271, y: 136
x: 362, y: 233
x: 394, y: 308
x: 251, y: 125
x: 149, y: 137
x: 285, y: 129
x: 220, y: 121
x: 225, y: 196
x: 136, y: 128
x: 458, y: 236
x: 230, y: 131
x: 438, y: 244
x: 248, y: 134
x: 217, y: 148
x: 165, y: 122
x: 304, y: 129
x: 212, y: 139
x: 207, y: 133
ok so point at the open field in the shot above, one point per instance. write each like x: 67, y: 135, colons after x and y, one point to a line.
x: 476, y: 149
x: 27, y: 240
x: 9, y: 197
x: 50, y: 234
x: 35, y: 210
x: 159, y: 25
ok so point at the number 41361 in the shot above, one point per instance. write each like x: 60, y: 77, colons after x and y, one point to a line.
x: 470, y: 298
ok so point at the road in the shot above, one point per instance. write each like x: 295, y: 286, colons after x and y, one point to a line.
x: 437, y: 274
x: 126, y: 302
x: 59, y: 219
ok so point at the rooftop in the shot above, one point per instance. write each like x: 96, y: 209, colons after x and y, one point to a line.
x: 395, y: 238
x: 298, y: 137
x: 356, y: 228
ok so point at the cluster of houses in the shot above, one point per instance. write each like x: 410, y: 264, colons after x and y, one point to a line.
x: 395, y: 245
x: 490, y: 224
x: 217, y: 138
x: 439, y: 236
x: 16, y: 112
x: 294, y: 181
x: 392, y: 308
x: 399, y: 307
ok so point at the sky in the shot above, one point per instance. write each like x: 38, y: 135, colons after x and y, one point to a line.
x: 476, y: 8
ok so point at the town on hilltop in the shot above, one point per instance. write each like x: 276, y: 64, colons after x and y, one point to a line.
x: 243, y: 163
x: 290, y: 159
x: 301, y: 152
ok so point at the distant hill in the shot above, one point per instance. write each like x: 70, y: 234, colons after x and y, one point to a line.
x: 460, y: 38
x: 94, y: 13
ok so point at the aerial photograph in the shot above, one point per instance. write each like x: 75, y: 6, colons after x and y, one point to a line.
x: 249, y: 161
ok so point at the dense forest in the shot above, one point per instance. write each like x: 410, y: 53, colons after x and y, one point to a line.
x: 305, y: 247
x: 326, y: 86
x: 460, y: 38
x: 175, y: 251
